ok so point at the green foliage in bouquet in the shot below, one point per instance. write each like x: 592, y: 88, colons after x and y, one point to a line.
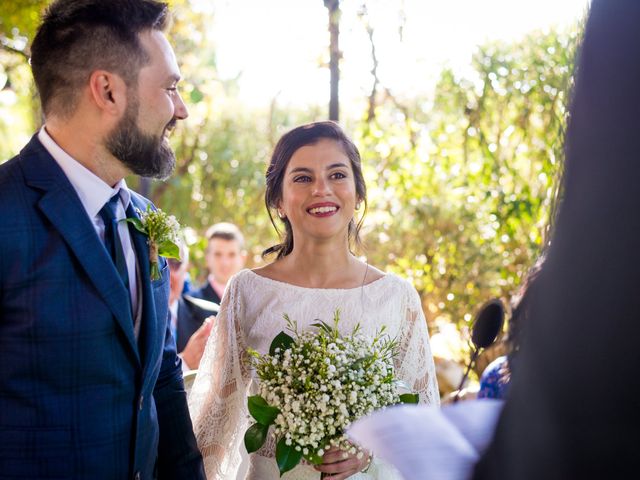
x: 314, y: 384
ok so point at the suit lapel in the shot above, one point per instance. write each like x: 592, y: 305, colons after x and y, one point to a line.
x: 151, y: 338
x: 61, y: 205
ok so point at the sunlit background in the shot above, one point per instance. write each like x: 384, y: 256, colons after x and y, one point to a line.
x: 461, y: 140
x: 279, y: 48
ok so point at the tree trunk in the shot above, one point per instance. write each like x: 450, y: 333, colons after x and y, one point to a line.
x: 334, y: 60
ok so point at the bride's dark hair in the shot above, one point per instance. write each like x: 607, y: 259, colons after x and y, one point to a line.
x: 288, y: 144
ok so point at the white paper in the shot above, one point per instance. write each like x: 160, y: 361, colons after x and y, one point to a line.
x: 430, y: 442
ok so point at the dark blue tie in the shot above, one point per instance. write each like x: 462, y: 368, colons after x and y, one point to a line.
x: 112, y: 240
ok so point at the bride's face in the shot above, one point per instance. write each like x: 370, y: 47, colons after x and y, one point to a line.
x: 319, y: 191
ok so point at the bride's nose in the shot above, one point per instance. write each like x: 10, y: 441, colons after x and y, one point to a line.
x: 321, y: 187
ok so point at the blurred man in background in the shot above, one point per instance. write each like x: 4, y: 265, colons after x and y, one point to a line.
x: 225, y: 256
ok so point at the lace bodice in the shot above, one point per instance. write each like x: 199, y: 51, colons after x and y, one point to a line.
x: 251, y: 315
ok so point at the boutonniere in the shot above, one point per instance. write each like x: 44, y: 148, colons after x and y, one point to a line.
x: 162, y: 233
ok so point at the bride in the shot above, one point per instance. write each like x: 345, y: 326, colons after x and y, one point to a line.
x: 315, y: 186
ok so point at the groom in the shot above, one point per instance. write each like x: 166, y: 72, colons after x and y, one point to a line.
x: 90, y: 384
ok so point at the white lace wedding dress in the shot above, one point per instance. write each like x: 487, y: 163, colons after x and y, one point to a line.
x: 251, y: 316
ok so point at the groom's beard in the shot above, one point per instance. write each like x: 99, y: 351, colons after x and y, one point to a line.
x: 144, y: 154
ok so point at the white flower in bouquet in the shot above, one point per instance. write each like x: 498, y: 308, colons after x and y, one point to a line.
x: 314, y: 384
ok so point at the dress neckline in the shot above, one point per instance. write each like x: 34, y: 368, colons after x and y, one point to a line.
x: 300, y: 287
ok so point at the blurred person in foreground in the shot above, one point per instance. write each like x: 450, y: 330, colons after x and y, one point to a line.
x: 90, y: 383
x: 572, y: 410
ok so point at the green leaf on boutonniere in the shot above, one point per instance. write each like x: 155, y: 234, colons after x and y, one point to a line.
x: 259, y: 409
x: 409, y: 398
x: 137, y: 224
x: 282, y: 341
x: 287, y: 456
x: 255, y: 436
x: 169, y: 249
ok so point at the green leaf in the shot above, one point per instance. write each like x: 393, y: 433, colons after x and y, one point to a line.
x: 255, y: 436
x: 196, y: 96
x: 361, y: 362
x: 259, y: 409
x: 312, y: 457
x: 409, y: 398
x: 287, y: 456
x: 169, y: 249
x: 323, y: 326
x: 137, y: 224
x: 282, y: 341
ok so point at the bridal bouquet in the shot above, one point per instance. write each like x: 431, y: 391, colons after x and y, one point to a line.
x: 314, y: 384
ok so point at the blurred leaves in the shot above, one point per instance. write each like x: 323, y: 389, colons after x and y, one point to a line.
x: 20, y: 18
x: 461, y: 182
x: 461, y: 193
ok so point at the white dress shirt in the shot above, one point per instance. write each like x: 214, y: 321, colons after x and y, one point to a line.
x: 94, y: 193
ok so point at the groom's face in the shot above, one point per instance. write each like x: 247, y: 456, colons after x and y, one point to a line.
x: 140, y: 139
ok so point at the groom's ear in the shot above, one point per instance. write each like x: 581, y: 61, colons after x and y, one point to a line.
x: 108, y: 92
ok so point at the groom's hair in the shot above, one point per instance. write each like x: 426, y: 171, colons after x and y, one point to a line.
x: 77, y: 37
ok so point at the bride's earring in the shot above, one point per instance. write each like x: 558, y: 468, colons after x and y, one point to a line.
x: 281, y: 214
x: 358, y: 206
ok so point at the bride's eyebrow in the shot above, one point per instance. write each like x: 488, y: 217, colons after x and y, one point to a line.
x: 300, y: 170
x: 337, y: 165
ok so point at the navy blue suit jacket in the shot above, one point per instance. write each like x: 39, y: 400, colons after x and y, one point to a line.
x: 80, y: 397
x: 206, y: 292
x: 191, y: 317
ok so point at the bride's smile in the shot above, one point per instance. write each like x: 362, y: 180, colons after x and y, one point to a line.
x: 325, y: 209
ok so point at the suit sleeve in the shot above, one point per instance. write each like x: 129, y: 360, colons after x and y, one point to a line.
x: 178, y: 454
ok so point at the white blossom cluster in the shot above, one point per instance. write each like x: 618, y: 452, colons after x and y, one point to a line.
x: 322, y: 382
x: 159, y: 226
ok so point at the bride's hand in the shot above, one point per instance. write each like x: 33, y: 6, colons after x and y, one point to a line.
x: 339, y: 465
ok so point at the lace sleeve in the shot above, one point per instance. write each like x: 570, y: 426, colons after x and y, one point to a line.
x: 414, y: 364
x: 217, y: 400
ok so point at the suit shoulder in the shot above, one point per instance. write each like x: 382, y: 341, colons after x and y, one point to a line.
x: 10, y: 170
x: 11, y: 181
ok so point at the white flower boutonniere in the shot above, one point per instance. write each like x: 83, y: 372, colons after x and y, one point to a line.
x: 162, y: 231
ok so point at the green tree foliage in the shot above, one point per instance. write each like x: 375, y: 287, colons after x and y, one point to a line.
x: 461, y: 184
x: 462, y: 188
x: 19, y: 113
x: 20, y: 18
